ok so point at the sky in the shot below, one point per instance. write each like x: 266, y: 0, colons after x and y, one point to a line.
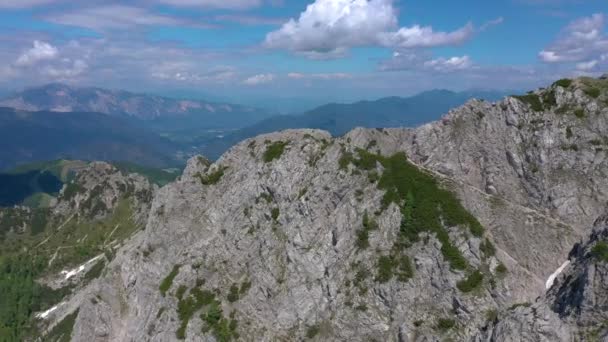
x: 331, y: 49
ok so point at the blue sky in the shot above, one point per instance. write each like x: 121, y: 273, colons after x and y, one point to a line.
x: 330, y: 49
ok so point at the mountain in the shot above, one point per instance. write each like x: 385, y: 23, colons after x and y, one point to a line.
x: 341, y: 118
x: 162, y: 113
x: 487, y: 225
x: 36, y: 185
x: 35, y: 136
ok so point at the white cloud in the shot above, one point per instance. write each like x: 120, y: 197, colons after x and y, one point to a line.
x: 67, y: 70
x: 15, y: 4
x: 39, y: 52
x: 582, y: 40
x: 417, y: 36
x: 226, y: 4
x: 333, y: 26
x: 586, y: 66
x: 449, y: 64
x: 422, y: 60
x: 113, y: 17
x: 259, y: 79
x: 319, y: 76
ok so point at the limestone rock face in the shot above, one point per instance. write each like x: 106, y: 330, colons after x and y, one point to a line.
x: 574, y: 308
x: 297, y: 235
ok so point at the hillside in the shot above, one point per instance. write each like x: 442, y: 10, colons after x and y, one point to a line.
x: 37, y: 136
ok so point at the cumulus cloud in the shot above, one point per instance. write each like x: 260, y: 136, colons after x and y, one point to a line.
x: 422, y: 60
x: 332, y: 26
x: 582, y: 41
x: 39, y: 52
x: 259, y: 79
x: 449, y: 64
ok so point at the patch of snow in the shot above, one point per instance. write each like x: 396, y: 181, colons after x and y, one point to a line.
x: 552, y: 277
x: 69, y: 274
x: 45, y: 314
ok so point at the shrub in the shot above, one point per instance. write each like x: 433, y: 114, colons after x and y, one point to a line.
x: 425, y: 206
x: 532, y: 100
x: 165, y: 285
x: 592, y: 92
x: 445, y: 324
x: 501, y: 269
x: 385, y: 269
x: 233, y: 295
x: 564, y: 82
x: 274, y: 151
x: 181, y: 290
x: 363, y: 233
x: 188, y: 306
x: 312, y: 331
x: 487, y: 248
x: 579, y: 113
x: 245, y: 286
x: 549, y: 99
x: 345, y: 160
x: 600, y: 251
x: 275, y: 213
x: 568, y: 133
x: 213, y: 177
x: 470, y: 283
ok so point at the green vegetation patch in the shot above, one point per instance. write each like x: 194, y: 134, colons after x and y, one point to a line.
x: 487, y: 248
x: 532, y: 100
x: 425, y: 206
x: 274, y: 151
x: 275, y: 213
x: 600, y: 251
x: 501, y: 269
x: 564, y: 82
x: 363, y: 233
x: 445, y: 324
x: 22, y: 295
x: 62, y: 332
x: 579, y: 113
x: 188, y: 306
x: 223, y: 329
x: 312, y: 331
x: 470, y: 283
x: 392, y: 265
x: 165, y: 285
x: 592, y: 92
x: 213, y: 177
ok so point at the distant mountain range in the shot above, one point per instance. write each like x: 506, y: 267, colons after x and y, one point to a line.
x: 59, y: 97
x: 44, y: 135
x: 60, y: 121
x: 340, y: 118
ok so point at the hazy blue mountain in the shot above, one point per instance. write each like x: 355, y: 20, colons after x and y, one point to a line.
x: 340, y: 118
x: 159, y: 111
x: 35, y: 136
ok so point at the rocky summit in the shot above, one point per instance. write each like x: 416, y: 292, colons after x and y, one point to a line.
x: 488, y: 225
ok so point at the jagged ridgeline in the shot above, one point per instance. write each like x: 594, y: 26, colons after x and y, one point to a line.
x: 462, y: 229
x: 48, y: 253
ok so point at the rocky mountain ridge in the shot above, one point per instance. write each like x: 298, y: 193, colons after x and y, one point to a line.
x: 447, y: 231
